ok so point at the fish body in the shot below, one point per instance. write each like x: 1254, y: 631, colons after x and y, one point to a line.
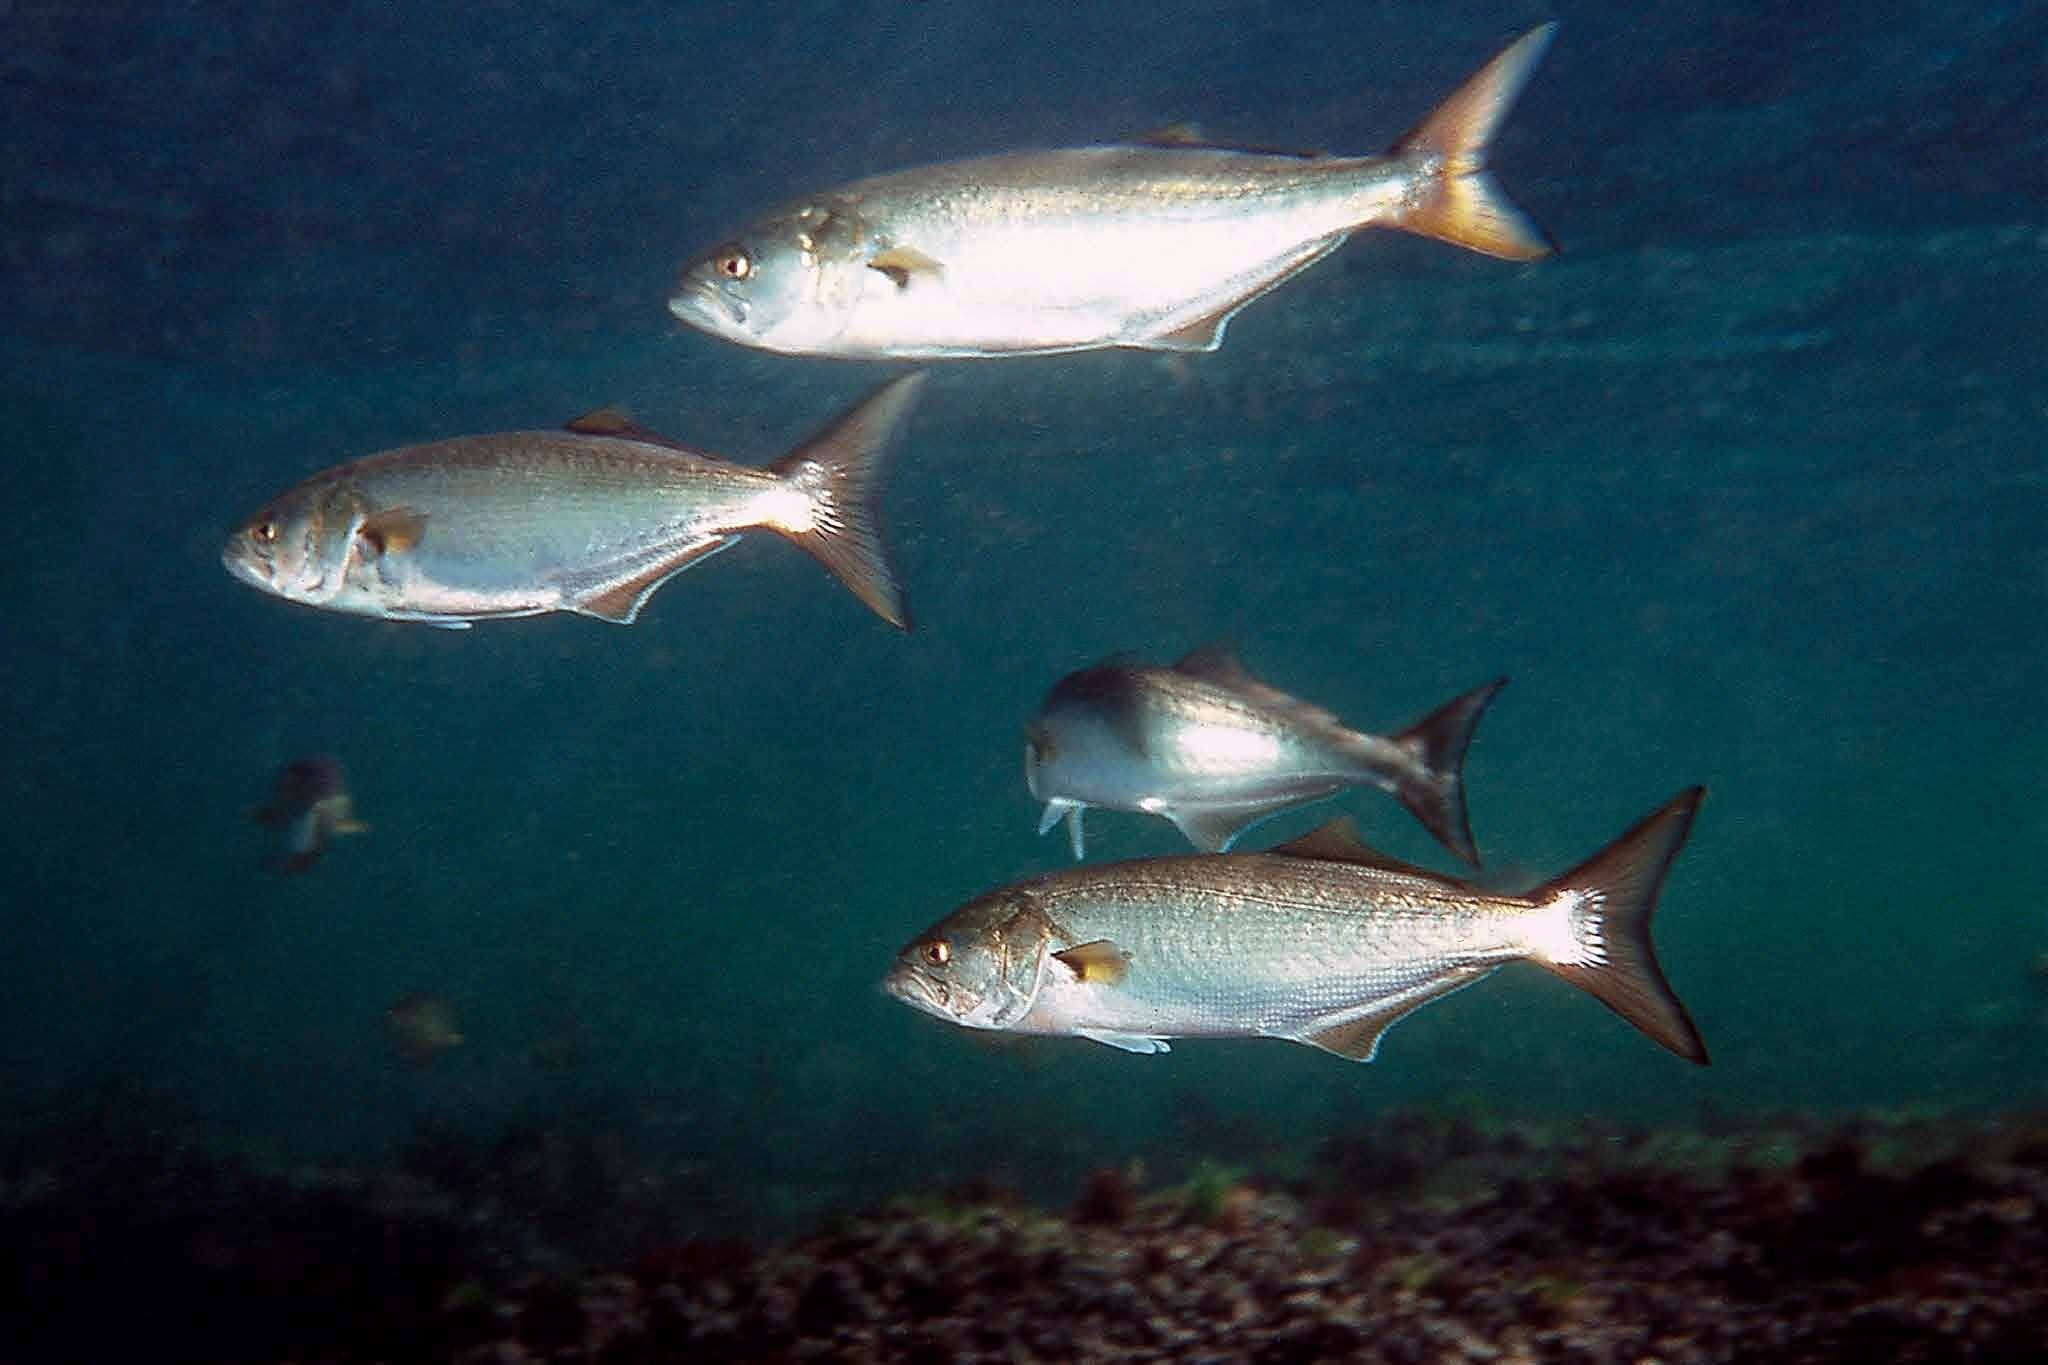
x: 592, y: 519
x: 1320, y: 941
x: 1208, y: 746
x: 312, y: 806
x: 1151, y: 245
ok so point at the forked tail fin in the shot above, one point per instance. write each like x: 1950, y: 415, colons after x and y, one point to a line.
x: 1460, y: 203
x: 839, y: 472
x: 1434, y: 789
x: 1600, y: 941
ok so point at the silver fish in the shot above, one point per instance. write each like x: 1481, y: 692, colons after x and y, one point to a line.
x: 1320, y: 941
x: 1154, y: 245
x: 1211, y: 748
x: 592, y: 518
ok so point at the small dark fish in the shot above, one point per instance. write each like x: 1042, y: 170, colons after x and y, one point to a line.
x: 420, y: 1027
x: 1211, y: 748
x: 1320, y: 941
x: 311, y: 805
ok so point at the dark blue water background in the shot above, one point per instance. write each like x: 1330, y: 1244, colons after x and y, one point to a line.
x: 1745, y: 488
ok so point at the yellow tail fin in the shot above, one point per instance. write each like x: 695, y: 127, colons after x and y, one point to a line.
x: 1460, y: 203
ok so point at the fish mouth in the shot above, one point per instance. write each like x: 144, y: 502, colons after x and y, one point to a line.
x: 704, y: 302
x: 242, y: 566
x: 917, y: 990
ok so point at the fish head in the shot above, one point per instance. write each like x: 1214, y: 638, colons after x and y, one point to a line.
x: 788, y: 283
x: 981, y: 967
x: 1041, y: 759
x: 300, y: 546
x: 1088, y: 740
x: 305, y: 782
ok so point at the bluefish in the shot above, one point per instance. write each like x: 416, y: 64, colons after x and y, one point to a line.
x: 1320, y: 941
x: 1151, y: 245
x: 1211, y: 748
x: 591, y: 518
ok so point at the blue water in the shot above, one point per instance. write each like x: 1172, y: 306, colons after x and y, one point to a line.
x: 1745, y: 488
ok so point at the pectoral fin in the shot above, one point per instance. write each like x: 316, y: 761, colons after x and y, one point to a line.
x: 391, y: 530
x: 620, y: 601
x: 1129, y: 1042
x: 1357, y: 1036
x: 905, y: 264
x: 1098, y: 962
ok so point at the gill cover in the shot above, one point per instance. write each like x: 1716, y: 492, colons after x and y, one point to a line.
x: 790, y: 281
x: 308, y: 543
x: 996, y: 955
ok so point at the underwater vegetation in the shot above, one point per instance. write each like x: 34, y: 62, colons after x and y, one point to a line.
x: 1440, y: 1237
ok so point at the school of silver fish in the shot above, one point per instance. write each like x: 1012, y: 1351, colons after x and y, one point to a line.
x: 1154, y: 245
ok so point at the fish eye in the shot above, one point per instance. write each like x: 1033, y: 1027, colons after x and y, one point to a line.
x: 264, y: 532
x: 938, y: 952
x: 734, y: 263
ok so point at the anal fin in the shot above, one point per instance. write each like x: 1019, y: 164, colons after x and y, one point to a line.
x: 1357, y: 1036
x: 620, y: 601
x: 1203, y: 334
x: 1213, y: 829
x: 1202, y: 329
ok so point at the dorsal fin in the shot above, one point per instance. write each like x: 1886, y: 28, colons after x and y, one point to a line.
x: 1337, y: 841
x: 1189, y: 134
x: 613, y: 420
x: 1186, y: 133
x: 610, y: 420
x: 1218, y: 663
